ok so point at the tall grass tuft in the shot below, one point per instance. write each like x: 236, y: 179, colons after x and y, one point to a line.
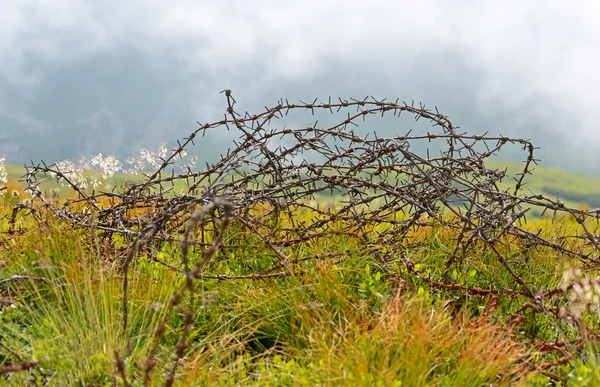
x: 73, y: 324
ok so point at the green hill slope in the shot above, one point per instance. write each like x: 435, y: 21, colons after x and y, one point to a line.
x: 16, y: 172
x: 574, y: 189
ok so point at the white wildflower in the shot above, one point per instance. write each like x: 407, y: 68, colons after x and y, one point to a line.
x: 108, y: 165
x: 70, y: 171
x: 147, y: 158
x: 582, y: 294
x: 3, y: 173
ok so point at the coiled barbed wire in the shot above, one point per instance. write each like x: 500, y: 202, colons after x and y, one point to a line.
x: 383, y: 188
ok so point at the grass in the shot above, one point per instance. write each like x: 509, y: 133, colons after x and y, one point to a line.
x: 329, y: 331
x: 343, y: 322
x: 49, y: 184
x: 573, y: 189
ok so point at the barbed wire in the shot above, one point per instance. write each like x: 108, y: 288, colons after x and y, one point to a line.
x: 273, y: 183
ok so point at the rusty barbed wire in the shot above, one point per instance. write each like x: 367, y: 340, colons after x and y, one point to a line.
x: 273, y: 183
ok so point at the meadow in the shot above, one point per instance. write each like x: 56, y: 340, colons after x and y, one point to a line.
x: 344, y: 321
x: 418, y: 271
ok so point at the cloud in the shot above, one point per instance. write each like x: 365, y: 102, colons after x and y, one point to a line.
x: 520, y: 68
x: 106, y: 128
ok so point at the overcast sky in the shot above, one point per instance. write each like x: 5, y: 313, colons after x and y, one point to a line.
x: 82, y: 77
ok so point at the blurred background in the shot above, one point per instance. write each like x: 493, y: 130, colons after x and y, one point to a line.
x: 82, y: 77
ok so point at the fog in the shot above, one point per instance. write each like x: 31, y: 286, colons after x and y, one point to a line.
x: 82, y: 77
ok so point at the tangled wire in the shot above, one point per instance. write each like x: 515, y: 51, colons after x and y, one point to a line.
x: 384, y: 190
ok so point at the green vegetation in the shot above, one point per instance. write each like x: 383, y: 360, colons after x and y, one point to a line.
x: 574, y: 190
x: 578, y: 191
x: 49, y: 184
x: 347, y: 321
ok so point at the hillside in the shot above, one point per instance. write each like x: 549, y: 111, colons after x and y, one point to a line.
x: 16, y: 173
x: 575, y: 190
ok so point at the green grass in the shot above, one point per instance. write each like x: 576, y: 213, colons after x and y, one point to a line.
x: 339, y: 325
x: 342, y: 322
x: 574, y: 190
x: 50, y: 185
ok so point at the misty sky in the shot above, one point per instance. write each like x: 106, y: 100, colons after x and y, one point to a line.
x: 82, y: 77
